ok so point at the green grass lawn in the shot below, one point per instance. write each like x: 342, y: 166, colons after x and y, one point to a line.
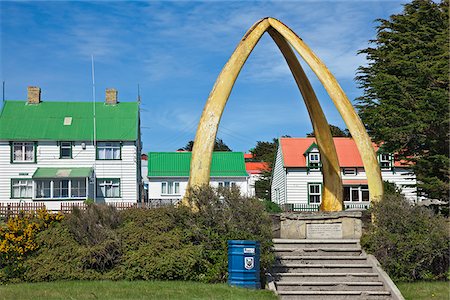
x: 425, y: 290
x: 128, y: 290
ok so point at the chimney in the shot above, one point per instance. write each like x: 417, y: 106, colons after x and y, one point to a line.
x: 34, y: 95
x: 111, y: 96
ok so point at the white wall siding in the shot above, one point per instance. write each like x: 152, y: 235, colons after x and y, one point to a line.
x: 298, y: 178
x: 154, y: 186
x: 297, y: 184
x: 278, y: 187
x: 403, y: 178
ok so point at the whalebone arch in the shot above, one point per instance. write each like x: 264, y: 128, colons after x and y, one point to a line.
x: 286, y: 39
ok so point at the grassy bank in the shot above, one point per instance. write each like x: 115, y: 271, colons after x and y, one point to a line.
x: 128, y: 290
x: 425, y: 290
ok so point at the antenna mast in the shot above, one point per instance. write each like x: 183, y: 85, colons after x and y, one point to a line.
x: 95, y: 129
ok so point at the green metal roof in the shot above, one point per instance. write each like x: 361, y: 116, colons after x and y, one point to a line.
x: 20, y: 121
x: 62, y: 173
x: 177, y: 164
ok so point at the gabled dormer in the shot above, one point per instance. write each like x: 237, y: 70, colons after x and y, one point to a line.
x: 312, y: 156
x: 385, y: 159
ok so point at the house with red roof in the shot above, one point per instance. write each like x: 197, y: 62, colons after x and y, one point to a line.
x: 255, y: 169
x: 297, y: 174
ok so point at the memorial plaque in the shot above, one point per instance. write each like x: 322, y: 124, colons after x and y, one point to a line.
x: 324, y: 231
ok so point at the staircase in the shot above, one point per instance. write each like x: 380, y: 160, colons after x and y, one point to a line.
x: 328, y: 269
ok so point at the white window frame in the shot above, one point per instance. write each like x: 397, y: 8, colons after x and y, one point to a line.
x: 313, y: 194
x: 65, y: 145
x: 359, y: 189
x: 314, y: 160
x: 78, y: 185
x: 108, y: 187
x: 385, y: 160
x: 22, y: 185
x: 349, y: 171
x: 39, y: 194
x: 226, y: 184
x: 51, y: 186
x: 170, y: 188
x: 22, y: 156
x: 109, y: 151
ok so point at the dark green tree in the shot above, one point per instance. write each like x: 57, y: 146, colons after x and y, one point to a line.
x: 406, y: 97
x: 335, y: 132
x: 219, y: 145
x: 265, y: 151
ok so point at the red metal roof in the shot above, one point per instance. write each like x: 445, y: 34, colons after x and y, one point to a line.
x: 254, y: 167
x: 293, y: 150
x: 248, y: 155
x: 355, y: 182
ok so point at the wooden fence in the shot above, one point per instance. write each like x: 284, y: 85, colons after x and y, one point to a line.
x: 13, y: 209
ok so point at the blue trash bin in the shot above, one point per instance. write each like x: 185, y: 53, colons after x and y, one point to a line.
x: 243, y: 263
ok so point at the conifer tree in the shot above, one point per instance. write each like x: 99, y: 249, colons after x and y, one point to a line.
x: 406, y: 91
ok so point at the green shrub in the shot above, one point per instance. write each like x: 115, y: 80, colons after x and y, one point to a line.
x: 225, y: 215
x: 146, y: 244
x: 410, y: 242
x: 271, y: 207
x: 94, y: 225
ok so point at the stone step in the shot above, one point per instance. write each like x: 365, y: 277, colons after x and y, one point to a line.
x: 334, y: 295
x: 316, y: 251
x: 308, y: 243
x: 321, y: 268
x: 331, y: 286
x: 331, y: 277
x: 283, y: 259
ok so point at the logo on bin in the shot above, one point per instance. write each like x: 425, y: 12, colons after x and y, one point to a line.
x: 249, y: 263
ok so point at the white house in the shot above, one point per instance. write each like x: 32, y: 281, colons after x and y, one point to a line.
x: 168, y: 173
x: 48, y: 154
x: 297, y: 177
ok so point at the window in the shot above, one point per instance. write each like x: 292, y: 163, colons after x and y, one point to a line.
x: 23, y: 152
x: 43, y: 189
x: 385, y: 160
x: 61, y: 189
x: 349, y: 171
x: 78, y: 188
x: 356, y: 193
x: 21, y: 188
x: 314, y: 193
x: 314, y: 160
x: 109, y: 150
x: 108, y: 188
x: 58, y: 189
x: 225, y: 184
x: 170, y: 188
x: 65, y: 150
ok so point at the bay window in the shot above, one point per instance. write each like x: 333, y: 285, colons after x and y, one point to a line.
x: 61, y: 189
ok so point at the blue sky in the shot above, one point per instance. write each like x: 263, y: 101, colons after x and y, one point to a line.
x: 175, y: 50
